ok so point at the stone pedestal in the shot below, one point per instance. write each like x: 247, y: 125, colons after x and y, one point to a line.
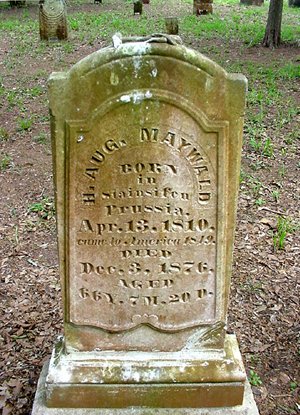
x: 248, y: 407
x: 170, y: 380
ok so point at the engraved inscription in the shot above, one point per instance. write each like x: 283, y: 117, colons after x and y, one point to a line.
x: 144, y: 237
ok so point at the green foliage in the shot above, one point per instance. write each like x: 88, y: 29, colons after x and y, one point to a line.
x: 284, y: 227
x: 25, y: 124
x: 2, y: 89
x: 5, y: 161
x: 74, y: 24
x: 292, y: 136
x: 268, y: 148
x: 4, y: 136
x: 35, y: 91
x: 41, y: 138
x: 260, y: 201
x: 275, y: 195
x: 254, y: 378
x: 290, y: 71
x: 258, y: 140
x: 45, y: 208
x: 293, y: 386
x: 11, y: 98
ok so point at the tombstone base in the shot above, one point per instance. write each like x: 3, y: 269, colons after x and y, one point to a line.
x: 183, y: 380
x: 39, y: 407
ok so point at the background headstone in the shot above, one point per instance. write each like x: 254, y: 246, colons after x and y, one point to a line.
x: 137, y: 7
x: 53, y: 21
x: 146, y: 147
x: 202, y: 7
x: 294, y: 3
x: 252, y: 2
x: 17, y: 3
x: 171, y: 25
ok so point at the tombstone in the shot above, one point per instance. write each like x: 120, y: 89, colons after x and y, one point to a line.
x: 53, y: 21
x: 252, y: 2
x: 171, y: 25
x: 146, y: 146
x: 137, y: 7
x: 294, y: 3
x: 17, y: 3
x: 202, y: 7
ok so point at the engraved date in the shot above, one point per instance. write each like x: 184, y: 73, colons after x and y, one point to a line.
x: 144, y: 226
x: 144, y: 300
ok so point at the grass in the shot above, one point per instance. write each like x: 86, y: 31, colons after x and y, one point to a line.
x: 5, y: 161
x: 44, y: 208
x: 25, y: 124
x: 275, y: 195
x: 254, y: 378
x: 260, y: 201
x: 41, y: 138
x: 229, y: 21
x: 285, y: 226
x: 293, y: 386
x: 4, y: 136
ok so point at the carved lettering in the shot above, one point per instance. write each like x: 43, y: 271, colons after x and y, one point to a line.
x: 145, y: 253
x: 100, y: 155
x: 148, y: 284
x: 136, y: 209
x: 156, y: 168
x: 147, y: 135
x: 189, y: 151
x: 154, y: 193
x: 134, y: 300
x: 89, y: 198
x: 145, y: 240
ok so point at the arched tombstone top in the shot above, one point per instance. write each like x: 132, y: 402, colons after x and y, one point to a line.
x: 146, y: 143
x: 142, y: 58
x: 159, y: 44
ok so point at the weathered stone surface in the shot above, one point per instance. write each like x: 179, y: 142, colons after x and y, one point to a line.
x: 82, y: 380
x: 151, y: 178
x: 202, y: 7
x: 247, y: 408
x: 146, y: 144
x: 53, y: 21
x: 171, y: 25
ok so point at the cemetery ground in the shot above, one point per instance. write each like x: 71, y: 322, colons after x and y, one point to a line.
x: 264, y: 307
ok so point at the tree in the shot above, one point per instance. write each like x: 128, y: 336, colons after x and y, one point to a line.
x: 273, y: 29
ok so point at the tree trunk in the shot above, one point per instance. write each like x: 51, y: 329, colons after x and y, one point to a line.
x: 273, y: 29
